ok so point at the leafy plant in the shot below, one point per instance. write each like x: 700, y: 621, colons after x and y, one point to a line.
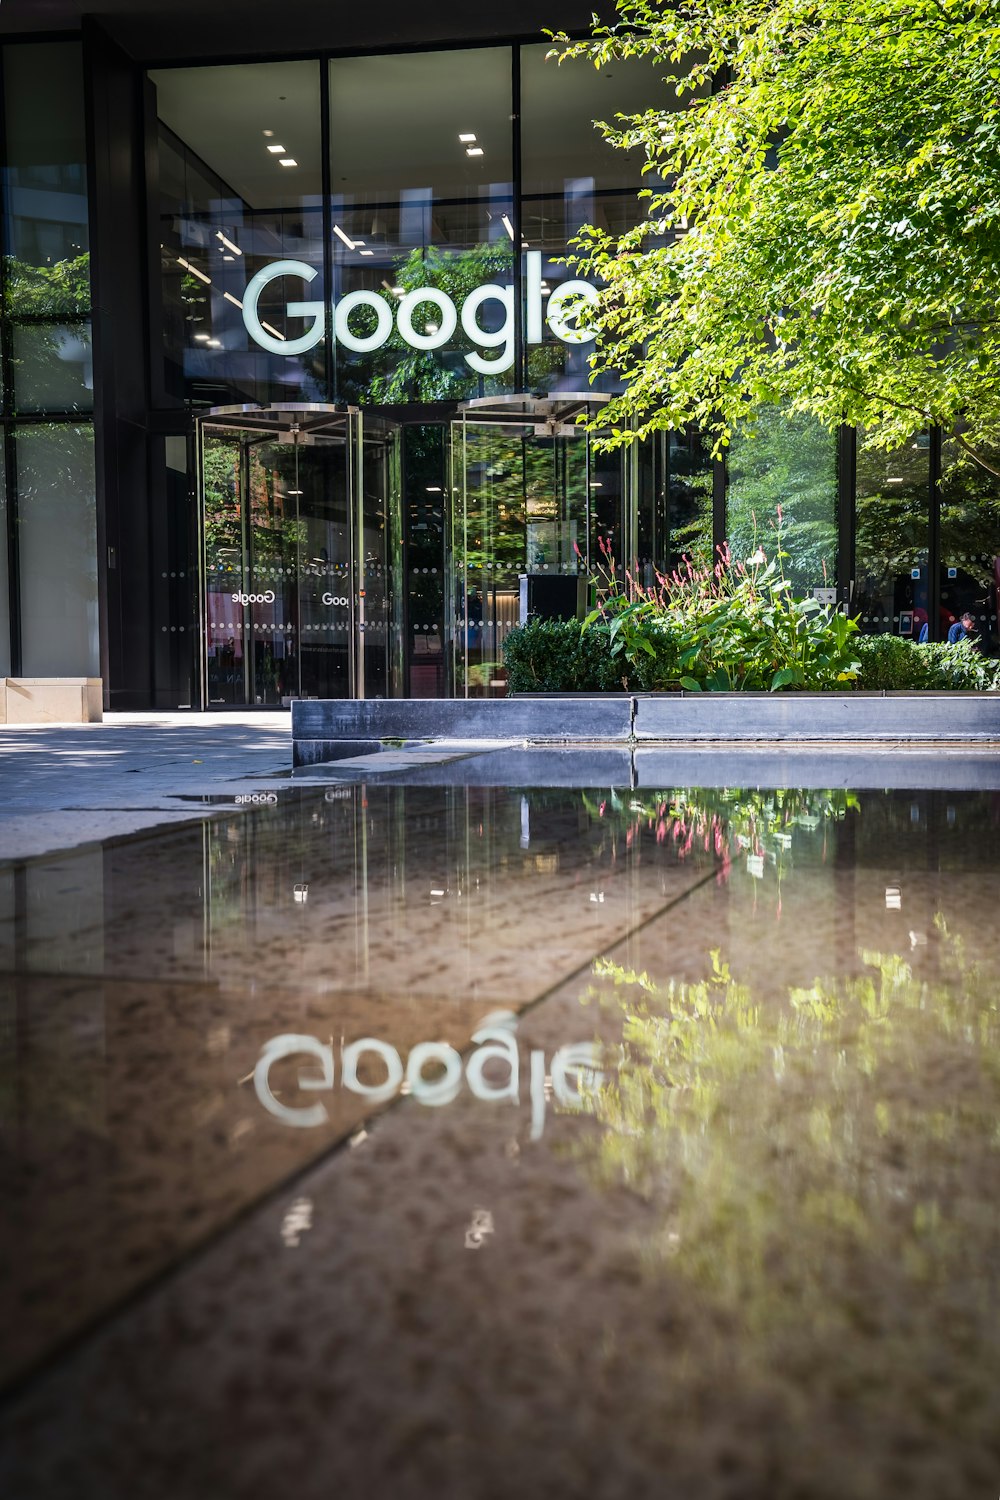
x: 892, y: 662
x: 551, y: 656
x: 735, y: 627
x: 816, y: 236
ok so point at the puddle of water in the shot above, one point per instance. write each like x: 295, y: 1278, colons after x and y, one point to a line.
x: 707, y: 1081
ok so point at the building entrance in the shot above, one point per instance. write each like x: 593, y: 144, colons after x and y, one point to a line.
x: 300, y: 544
x: 527, y: 511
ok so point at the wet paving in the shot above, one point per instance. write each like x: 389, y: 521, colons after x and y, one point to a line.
x: 411, y: 1140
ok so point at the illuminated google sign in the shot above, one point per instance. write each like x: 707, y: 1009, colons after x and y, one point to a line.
x: 561, y: 313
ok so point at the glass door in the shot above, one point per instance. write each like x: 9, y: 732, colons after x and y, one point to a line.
x: 300, y: 508
x: 520, y: 533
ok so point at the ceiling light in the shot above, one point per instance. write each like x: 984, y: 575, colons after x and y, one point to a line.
x: 399, y: 291
x: 524, y: 244
x: 227, y: 257
x: 358, y: 243
x: 368, y: 252
x: 288, y: 161
x: 202, y: 337
x: 895, y: 481
x: 342, y: 236
x: 433, y: 489
x: 276, y: 150
x: 267, y: 132
x: 194, y: 271
x: 505, y: 221
x: 295, y: 492
x: 234, y: 300
x: 272, y: 330
x: 228, y: 243
x: 473, y: 150
x: 215, y: 343
x: 467, y: 136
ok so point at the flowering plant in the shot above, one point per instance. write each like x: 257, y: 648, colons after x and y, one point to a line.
x: 736, y: 626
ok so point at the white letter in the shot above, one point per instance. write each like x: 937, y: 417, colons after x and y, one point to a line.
x: 383, y: 321
x: 537, y: 1093
x: 287, y: 1046
x: 444, y: 305
x: 580, y: 1058
x: 570, y: 329
x: 294, y: 309
x: 533, y: 294
x: 393, y: 1066
x: 503, y: 335
x: 442, y: 1090
x: 499, y: 1029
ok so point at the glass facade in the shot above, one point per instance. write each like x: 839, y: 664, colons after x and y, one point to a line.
x: 382, y: 235
x: 48, y: 574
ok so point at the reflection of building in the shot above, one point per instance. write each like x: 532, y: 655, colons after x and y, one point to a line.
x: 378, y: 230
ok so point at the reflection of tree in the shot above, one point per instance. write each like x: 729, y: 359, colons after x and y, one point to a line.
x: 58, y: 291
x: 819, y: 1175
x: 891, y: 520
x: 273, y: 534
x: 53, y: 302
x: 786, y: 459
x: 401, y: 374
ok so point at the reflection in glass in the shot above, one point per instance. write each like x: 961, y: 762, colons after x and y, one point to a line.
x: 298, y: 561
x: 970, y: 544
x: 45, y: 181
x: 520, y: 508
x: 673, y: 473
x: 57, y: 549
x: 787, y: 460
x: 422, y: 178
x: 4, y: 591
x: 231, y: 203
x: 572, y: 177
x: 53, y: 367
x: 892, y: 525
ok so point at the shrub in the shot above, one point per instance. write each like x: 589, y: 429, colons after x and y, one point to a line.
x: 552, y: 656
x: 892, y: 662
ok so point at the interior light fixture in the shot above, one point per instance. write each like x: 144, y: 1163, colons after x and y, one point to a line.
x: 194, y: 270
x: 368, y: 252
x: 467, y: 136
x: 288, y: 161
x: 524, y: 244
x: 399, y: 291
x: 895, y: 481
x: 215, y: 343
x: 267, y: 132
x: 234, y: 300
x: 295, y: 492
x: 228, y: 242
x: 202, y: 338
x: 270, y: 329
x: 342, y: 236
x: 276, y: 150
x: 228, y: 257
x: 473, y: 150
x: 505, y: 221
x: 433, y: 489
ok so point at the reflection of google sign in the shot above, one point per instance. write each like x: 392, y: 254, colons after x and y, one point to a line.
x: 426, y: 318
x: 245, y: 599
x: 335, y: 599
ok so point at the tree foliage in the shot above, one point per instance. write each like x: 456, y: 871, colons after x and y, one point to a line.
x: 823, y: 232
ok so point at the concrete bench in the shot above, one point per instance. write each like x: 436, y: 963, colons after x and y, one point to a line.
x: 51, y: 700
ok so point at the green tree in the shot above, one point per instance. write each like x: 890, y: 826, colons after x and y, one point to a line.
x: 823, y: 232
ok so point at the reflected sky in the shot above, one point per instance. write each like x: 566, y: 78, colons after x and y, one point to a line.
x: 761, y: 1028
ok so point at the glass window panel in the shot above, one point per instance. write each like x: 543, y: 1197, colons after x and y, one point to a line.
x: 892, y: 531
x: 53, y: 367
x: 232, y: 204
x: 57, y: 550
x: 418, y: 209
x: 673, y: 472
x: 46, y: 180
x: 970, y: 543
x: 786, y: 460
x: 4, y: 576
x: 572, y: 177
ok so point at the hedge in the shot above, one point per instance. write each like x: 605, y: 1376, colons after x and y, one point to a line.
x: 553, y: 656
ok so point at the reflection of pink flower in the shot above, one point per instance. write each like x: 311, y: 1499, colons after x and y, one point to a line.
x: 600, y: 810
x: 661, y: 831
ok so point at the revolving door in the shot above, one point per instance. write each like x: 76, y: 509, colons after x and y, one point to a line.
x: 300, y: 529
x: 529, y: 503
